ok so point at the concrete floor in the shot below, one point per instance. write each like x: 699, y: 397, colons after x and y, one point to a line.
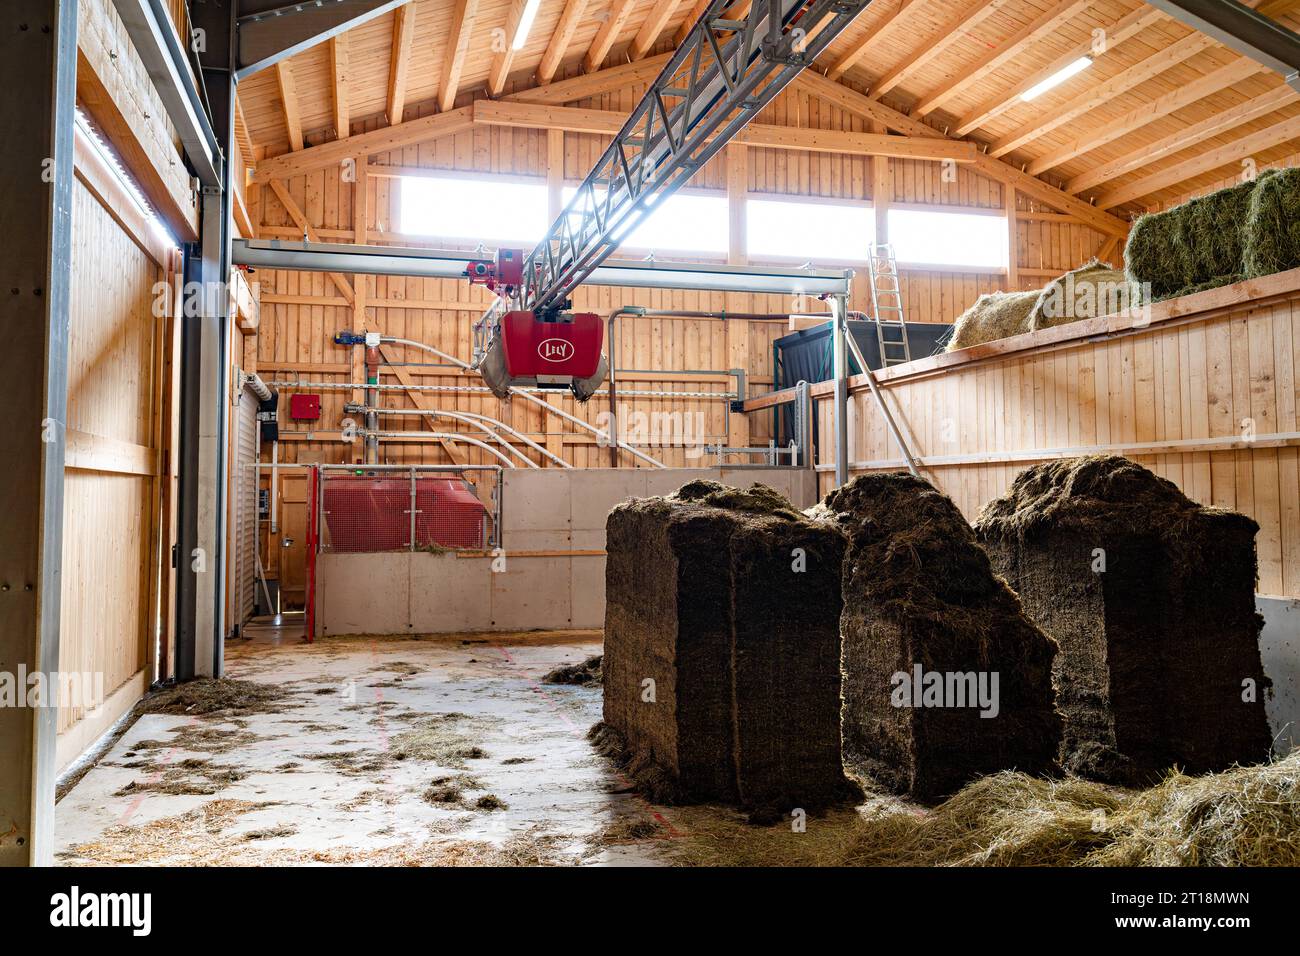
x: 316, y: 782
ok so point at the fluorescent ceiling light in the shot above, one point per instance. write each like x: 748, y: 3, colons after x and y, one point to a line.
x: 525, y: 24
x: 1057, y: 78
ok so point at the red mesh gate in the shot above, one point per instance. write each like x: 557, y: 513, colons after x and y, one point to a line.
x: 401, y: 510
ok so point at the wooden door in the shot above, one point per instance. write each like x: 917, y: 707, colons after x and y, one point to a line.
x: 292, y: 540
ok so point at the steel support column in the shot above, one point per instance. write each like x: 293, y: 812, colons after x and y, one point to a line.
x: 840, y: 371
x: 38, y: 69
x: 201, y: 558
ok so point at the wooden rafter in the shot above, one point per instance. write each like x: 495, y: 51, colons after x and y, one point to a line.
x: 242, y: 136
x: 660, y: 13
x: 609, y: 32
x: 1124, y: 29
x: 560, y: 39
x: 961, y: 17
x: 365, y: 144
x: 692, y: 17
x: 1207, y: 162
x: 875, y: 111
x: 1207, y: 85
x: 1176, y: 142
x: 593, y: 84
x: 289, y: 100
x: 462, y: 24
x: 1103, y: 92
x: 1033, y: 31
x: 453, y: 121
x: 400, y: 62
x: 855, y: 52
x: 300, y: 220
x: 340, y: 80
x: 505, y: 56
x: 608, y: 122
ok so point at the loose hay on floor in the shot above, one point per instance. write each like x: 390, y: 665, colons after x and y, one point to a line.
x: 445, y: 739
x: 217, y: 696
x: 191, y: 776
x: 1246, y: 816
x: 1160, y: 644
x: 583, y: 674
x: 920, y: 596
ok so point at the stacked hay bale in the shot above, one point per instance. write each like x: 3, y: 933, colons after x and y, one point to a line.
x: 1092, y: 290
x: 1273, y: 224
x: 1151, y: 599
x: 919, y: 595
x: 1242, y: 232
x: 721, y: 662
x: 995, y: 315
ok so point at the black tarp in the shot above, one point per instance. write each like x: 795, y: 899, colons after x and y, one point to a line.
x: 806, y: 357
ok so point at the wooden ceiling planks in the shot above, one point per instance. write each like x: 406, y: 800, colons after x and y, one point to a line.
x: 1154, y: 81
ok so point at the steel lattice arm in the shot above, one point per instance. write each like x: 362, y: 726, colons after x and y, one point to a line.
x: 720, y: 78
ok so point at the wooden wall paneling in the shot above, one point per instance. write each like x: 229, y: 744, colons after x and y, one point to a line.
x: 118, y: 355
x: 1205, y: 396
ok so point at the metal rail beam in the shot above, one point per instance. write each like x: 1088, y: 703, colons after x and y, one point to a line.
x: 1240, y: 28
x: 205, y: 349
x: 447, y: 264
x: 273, y: 30
x: 148, y: 24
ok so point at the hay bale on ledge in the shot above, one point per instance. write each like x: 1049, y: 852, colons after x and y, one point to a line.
x: 1194, y: 246
x: 1151, y: 598
x: 1273, y: 224
x: 1090, y: 291
x: 944, y: 678
x: 729, y: 602
x: 995, y: 315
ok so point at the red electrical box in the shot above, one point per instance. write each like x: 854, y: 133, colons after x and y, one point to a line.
x: 560, y: 351
x: 304, y: 407
x: 510, y: 267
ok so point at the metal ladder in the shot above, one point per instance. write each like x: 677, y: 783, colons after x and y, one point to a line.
x: 887, y: 306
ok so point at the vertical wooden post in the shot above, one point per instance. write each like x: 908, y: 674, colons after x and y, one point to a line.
x: 554, y: 173
x: 360, y: 214
x: 882, y: 189
x: 1013, y: 238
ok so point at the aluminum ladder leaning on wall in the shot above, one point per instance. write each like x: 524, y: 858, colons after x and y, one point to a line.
x: 887, y: 306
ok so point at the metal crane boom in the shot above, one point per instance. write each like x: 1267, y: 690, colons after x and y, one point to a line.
x: 720, y: 78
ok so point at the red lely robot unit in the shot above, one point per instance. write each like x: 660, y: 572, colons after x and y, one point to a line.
x: 549, y: 348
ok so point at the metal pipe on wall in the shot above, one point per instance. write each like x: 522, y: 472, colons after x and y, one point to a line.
x: 463, y: 417
x: 480, y: 390
x: 444, y: 436
x: 535, y: 400
x: 641, y: 311
x: 372, y: 400
x: 480, y: 418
